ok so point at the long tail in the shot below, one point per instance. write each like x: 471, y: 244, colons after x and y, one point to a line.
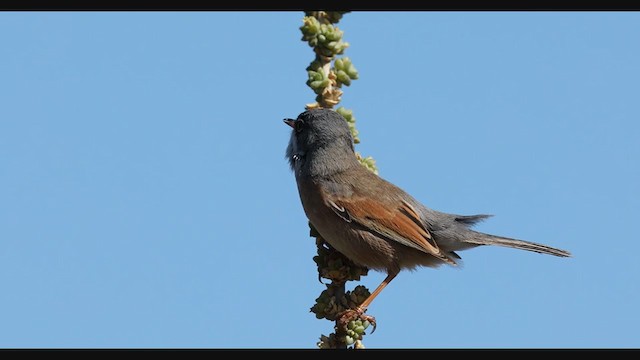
x: 487, y: 239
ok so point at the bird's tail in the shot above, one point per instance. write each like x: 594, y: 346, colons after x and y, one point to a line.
x: 479, y: 238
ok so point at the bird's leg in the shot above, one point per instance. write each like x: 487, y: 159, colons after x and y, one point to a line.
x: 365, y: 304
x: 351, y: 314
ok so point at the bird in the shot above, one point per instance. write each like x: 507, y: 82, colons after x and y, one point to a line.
x: 369, y: 220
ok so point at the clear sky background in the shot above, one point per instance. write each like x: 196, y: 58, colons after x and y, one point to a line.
x: 146, y: 201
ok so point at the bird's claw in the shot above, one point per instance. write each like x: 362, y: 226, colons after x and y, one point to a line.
x: 352, y: 314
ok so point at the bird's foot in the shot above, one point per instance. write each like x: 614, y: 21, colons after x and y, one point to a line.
x: 357, y: 314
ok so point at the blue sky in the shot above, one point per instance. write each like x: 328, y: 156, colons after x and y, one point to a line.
x: 146, y: 201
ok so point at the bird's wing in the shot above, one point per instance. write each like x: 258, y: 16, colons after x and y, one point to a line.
x: 399, y: 222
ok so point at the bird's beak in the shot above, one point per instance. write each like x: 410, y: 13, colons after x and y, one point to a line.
x: 289, y: 122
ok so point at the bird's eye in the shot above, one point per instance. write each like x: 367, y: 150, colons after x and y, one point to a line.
x: 299, y: 125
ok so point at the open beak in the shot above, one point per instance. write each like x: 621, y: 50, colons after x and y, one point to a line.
x: 289, y: 122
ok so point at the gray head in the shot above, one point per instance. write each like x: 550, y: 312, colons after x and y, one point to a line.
x: 320, y: 143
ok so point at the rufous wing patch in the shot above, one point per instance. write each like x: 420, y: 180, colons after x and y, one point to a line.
x: 401, y: 223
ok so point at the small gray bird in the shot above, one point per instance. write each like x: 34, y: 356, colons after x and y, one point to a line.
x: 366, y: 218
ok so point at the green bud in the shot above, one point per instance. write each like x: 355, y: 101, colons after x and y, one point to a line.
x: 313, y: 76
x: 346, y: 113
x: 352, y: 72
x: 343, y: 47
x: 310, y: 26
x: 343, y: 77
x: 315, y: 66
x: 315, y: 84
x: 346, y: 65
x: 370, y: 164
x: 310, y: 29
x: 349, y: 340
